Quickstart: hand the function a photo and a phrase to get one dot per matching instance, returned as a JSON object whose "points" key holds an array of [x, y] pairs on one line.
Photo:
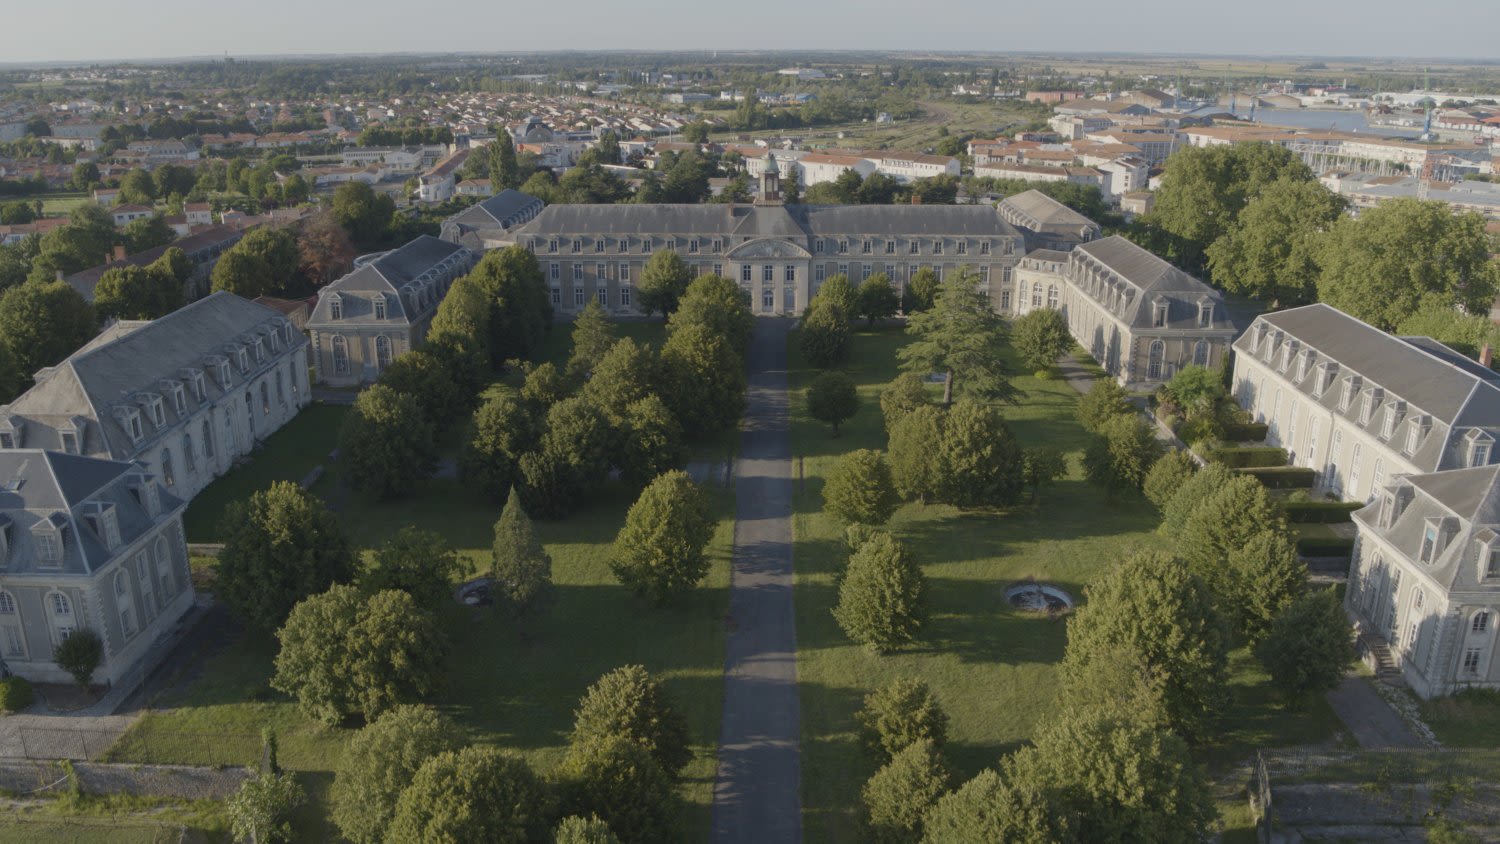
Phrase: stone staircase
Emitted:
{"points": [[1378, 657]]}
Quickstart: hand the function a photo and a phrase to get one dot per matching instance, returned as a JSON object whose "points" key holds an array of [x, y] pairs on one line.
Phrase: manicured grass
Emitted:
{"points": [[515, 691], [14, 831], [289, 454], [991, 667], [53, 204], [1467, 719]]}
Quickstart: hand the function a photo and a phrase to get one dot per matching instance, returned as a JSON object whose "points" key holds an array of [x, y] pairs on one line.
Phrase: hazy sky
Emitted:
{"points": [[106, 29]]}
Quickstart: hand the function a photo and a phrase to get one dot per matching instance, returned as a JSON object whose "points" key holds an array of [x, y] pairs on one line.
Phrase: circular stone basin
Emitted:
{"points": [[476, 593], [1038, 597]]}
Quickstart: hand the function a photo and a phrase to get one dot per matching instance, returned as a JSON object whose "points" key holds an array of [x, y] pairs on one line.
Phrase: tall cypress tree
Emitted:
{"points": [[522, 568]]}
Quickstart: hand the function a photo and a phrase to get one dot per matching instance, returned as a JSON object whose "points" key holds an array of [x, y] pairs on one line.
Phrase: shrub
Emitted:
{"points": [[1242, 432], [619, 781], [1246, 457], [906, 393], [575, 829], [1282, 477], [882, 595], [1325, 546], [900, 793], [832, 398], [824, 337], [630, 702], [1319, 512], [79, 655], [15, 694], [900, 714], [859, 489], [1309, 646], [1167, 475], [1104, 401]]}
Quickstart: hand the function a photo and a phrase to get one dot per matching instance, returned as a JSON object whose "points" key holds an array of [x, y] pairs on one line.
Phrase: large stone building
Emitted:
{"points": [[779, 254], [87, 544], [1360, 406], [184, 395], [382, 309], [1045, 222], [1425, 578], [1140, 317], [483, 225]]}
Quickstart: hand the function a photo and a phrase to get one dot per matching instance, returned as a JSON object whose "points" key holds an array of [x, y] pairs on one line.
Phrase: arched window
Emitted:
{"points": [[1052, 296], [340, 356], [12, 639], [123, 603], [148, 592], [60, 615], [164, 569], [208, 440], [167, 476], [382, 352], [265, 398], [1153, 363], [1200, 353], [187, 451]]}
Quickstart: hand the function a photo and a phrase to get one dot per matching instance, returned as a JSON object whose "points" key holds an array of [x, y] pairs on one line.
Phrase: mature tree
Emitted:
{"points": [[520, 306], [1105, 400], [477, 794], [618, 780], [42, 323], [379, 763], [703, 379], [364, 214], [824, 334], [260, 810], [79, 655], [1467, 333], [1167, 475], [280, 546], [277, 248], [1258, 581], [576, 829], [882, 597], [521, 567], [961, 337], [663, 282], [1114, 780], [652, 441], [460, 336], [343, 653], [324, 249], [543, 387], [632, 703], [1204, 189], [659, 553], [791, 188], [589, 183], [504, 429], [832, 398], [418, 562], [425, 377], [916, 466], [132, 292], [994, 808], [982, 464], [505, 171], [1308, 647], [1193, 492], [623, 374], [1196, 390], [1041, 336], [904, 394], [549, 483], [147, 233], [921, 291], [1270, 251], [1226, 520], [593, 335], [137, 188], [1404, 254], [1152, 605], [241, 273], [900, 714], [859, 489], [901, 793], [1121, 454], [386, 443], [1043, 465], [719, 305], [838, 291]]}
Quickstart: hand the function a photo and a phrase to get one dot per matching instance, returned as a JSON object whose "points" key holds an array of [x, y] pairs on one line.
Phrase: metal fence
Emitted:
{"points": [[137, 746]]}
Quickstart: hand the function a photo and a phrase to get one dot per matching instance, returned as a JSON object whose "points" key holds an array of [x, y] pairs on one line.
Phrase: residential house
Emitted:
{"points": [[438, 183], [123, 215]]}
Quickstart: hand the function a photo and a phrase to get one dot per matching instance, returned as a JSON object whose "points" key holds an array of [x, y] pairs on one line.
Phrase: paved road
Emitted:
{"points": [[1372, 721], [757, 794]]}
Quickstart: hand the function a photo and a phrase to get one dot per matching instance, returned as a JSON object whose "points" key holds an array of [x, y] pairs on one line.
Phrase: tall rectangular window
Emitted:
{"points": [[578, 296], [624, 271]]}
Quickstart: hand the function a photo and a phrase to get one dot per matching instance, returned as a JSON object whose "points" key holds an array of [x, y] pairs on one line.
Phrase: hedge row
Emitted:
{"points": [[1319, 512], [1282, 477], [1325, 546], [1248, 457], [1245, 432]]}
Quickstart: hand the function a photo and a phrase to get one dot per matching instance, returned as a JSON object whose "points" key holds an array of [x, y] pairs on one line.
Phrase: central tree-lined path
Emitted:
{"points": [[757, 794]]}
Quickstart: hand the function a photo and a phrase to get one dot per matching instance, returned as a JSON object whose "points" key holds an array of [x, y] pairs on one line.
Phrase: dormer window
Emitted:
{"points": [[1302, 363], [130, 420], [1351, 386], [693, 246], [552, 245], [937, 247], [1326, 373], [1435, 535], [106, 524], [843, 247], [242, 358], [335, 306], [1401, 497], [1387, 508], [193, 378], [259, 347], [1478, 445], [1159, 314], [47, 535], [1261, 330], [1492, 561], [179, 396], [5, 546], [1206, 318], [1393, 413], [1372, 399], [1288, 352], [12, 432], [1419, 428], [274, 336], [1270, 346], [380, 307], [144, 489]]}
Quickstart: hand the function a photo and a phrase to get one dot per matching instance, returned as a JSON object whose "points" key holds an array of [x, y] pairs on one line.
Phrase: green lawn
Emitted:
{"points": [[53, 204], [990, 666], [1467, 719], [289, 454]]}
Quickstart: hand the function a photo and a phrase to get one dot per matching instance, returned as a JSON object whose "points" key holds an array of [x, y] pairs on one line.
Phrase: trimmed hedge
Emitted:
{"points": [[1246, 432], [15, 694], [1319, 512], [1282, 477], [1249, 457], [1318, 546]]}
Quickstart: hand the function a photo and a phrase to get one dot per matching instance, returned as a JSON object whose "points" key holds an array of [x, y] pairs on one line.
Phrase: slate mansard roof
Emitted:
{"points": [[498, 212], [62, 489], [400, 271], [1423, 382], [131, 360], [1041, 213], [1130, 283], [799, 222], [1464, 504]]}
